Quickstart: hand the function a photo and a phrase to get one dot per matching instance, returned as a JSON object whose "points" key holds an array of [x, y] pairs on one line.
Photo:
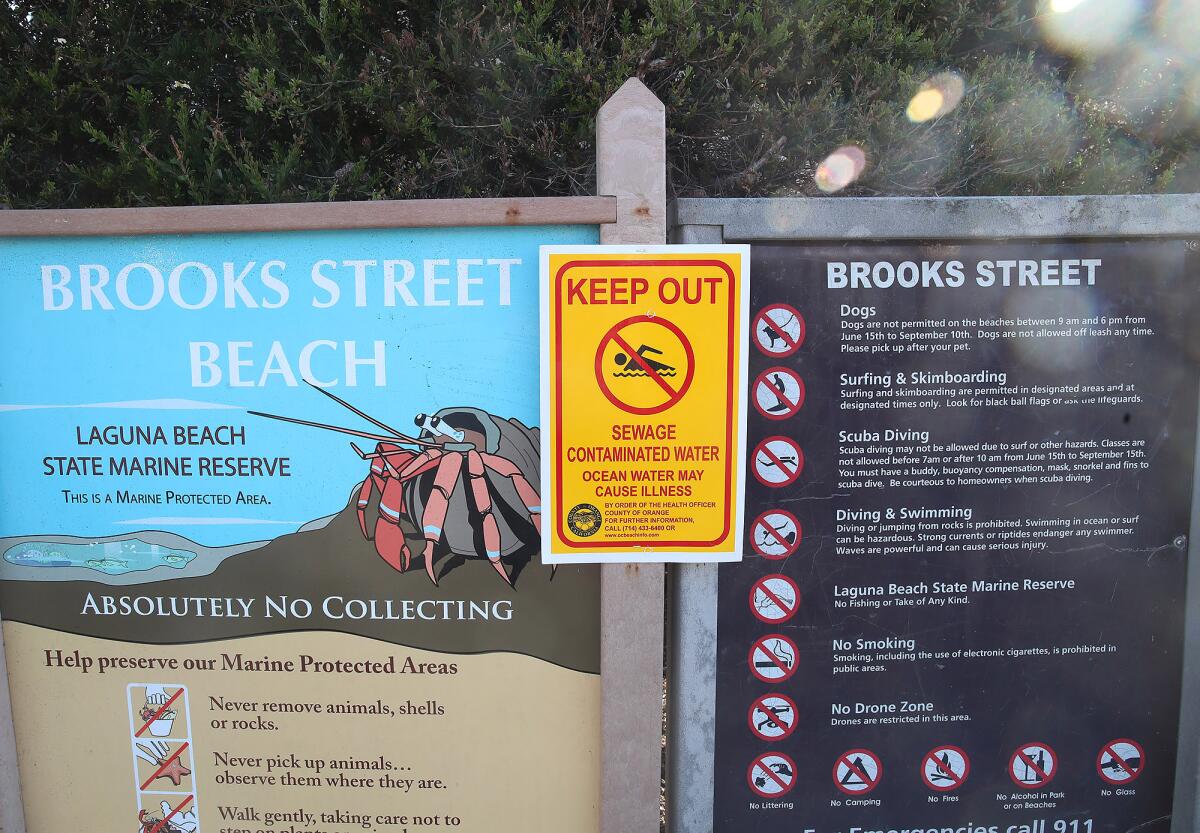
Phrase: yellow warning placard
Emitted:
{"points": [[643, 407]]}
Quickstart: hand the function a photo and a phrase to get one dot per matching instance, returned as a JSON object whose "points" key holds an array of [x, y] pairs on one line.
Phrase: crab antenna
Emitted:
{"points": [[366, 416], [377, 437]]}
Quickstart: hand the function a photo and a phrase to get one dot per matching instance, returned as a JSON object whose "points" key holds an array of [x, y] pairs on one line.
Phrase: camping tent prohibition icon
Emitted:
{"points": [[857, 772], [644, 365]]}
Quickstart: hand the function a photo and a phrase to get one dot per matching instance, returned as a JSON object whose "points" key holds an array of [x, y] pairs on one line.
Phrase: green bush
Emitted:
{"points": [[163, 102]]}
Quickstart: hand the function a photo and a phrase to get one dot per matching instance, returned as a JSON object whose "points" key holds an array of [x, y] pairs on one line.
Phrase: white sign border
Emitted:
{"points": [[548, 429]]}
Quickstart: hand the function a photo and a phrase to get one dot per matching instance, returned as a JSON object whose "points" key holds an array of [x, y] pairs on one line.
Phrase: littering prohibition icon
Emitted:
{"points": [[638, 365], [772, 774], [778, 330], [945, 768], [774, 598], [778, 393], [775, 534], [773, 658], [1033, 765], [778, 462], [857, 772], [772, 717], [1120, 761]]}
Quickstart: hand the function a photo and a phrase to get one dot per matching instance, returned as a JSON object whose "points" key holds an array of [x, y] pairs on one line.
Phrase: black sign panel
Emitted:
{"points": [[968, 501]]}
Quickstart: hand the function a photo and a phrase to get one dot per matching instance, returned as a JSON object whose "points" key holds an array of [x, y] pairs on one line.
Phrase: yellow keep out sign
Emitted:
{"points": [[643, 403]]}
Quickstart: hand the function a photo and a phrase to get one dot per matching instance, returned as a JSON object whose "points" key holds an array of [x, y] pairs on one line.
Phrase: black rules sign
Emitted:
{"points": [[962, 600]]}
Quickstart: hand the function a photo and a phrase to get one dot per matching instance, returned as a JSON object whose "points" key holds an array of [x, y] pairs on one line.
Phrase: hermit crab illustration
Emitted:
{"points": [[496, 513]]}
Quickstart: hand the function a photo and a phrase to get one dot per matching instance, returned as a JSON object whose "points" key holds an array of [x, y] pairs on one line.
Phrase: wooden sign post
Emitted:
{"points": [[631, 160]]}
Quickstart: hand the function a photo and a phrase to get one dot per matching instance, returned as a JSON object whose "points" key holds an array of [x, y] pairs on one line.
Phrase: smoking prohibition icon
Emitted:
{"points": [[773, 658], [644, 365]]}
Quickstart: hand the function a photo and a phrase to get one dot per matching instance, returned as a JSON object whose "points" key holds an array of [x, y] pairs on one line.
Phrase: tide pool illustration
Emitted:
{"points": [[113, 558]]}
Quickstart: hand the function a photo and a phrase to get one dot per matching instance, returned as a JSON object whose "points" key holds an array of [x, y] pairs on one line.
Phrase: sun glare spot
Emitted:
{"points": [[840, 168], [937, 97]]}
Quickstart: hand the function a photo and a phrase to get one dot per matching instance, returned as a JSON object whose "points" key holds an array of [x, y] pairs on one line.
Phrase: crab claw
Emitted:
{"points": [[495, 562], [429, 563]]}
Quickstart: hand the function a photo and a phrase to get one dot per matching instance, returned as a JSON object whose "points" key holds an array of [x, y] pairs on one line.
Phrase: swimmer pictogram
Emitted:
{"points": [[651, 377]]}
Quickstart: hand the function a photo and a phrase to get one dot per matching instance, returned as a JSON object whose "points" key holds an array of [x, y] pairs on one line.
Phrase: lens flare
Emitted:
{"points": [[937, 97], [1090, 27], [840, 168]]}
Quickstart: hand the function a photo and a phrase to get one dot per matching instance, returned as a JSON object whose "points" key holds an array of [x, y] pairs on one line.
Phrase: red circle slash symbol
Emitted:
{"points": [[774, 598], [772, 774], [778, 330], [773, 658], [1033, 765], [778, 393], [857, 771], [945, 768], [641, 362], [775, 534], [778, 462], [1120, 761], [772, 717]]}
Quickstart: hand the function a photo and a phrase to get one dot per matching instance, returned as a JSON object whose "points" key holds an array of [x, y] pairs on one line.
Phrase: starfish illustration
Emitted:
{"points": [[175, 770]]}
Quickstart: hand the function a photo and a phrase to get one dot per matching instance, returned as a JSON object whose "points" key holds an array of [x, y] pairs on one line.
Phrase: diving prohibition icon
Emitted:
{"points": [[644, 365], [778, 462], [775, 534]]}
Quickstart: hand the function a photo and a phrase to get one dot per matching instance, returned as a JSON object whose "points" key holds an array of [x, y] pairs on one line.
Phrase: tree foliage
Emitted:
{"points": [[164, 102]]}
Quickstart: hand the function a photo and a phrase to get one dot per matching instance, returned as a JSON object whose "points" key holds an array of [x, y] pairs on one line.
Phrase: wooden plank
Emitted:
{"points": [[208, 219], [631, 164], [12, 813]]}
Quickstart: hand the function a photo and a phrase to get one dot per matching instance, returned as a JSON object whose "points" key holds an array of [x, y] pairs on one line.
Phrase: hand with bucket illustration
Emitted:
{"points": [[161, 720]]}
